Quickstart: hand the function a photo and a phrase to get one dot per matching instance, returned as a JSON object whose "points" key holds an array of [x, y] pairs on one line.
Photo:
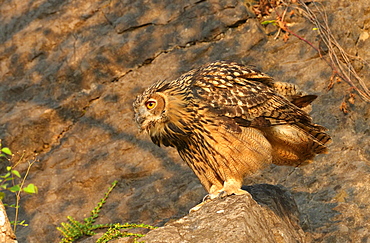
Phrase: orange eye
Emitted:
{"points": [[151, 104]]}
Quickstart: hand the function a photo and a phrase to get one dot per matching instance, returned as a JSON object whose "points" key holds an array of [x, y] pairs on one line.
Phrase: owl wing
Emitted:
{"points": [[240, 96], [244, 94]]}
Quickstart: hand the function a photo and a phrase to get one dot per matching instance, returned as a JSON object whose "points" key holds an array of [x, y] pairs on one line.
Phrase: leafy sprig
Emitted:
{"points": [[73, 229], [8, 183]]}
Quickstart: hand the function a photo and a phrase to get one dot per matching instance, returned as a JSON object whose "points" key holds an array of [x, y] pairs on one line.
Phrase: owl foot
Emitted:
{"points": [[238, 192], [210, 197], [206, 198], [197, 207], [226, 193]]}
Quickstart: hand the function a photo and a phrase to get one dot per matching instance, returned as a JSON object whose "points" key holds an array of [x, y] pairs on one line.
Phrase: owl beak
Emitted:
{"points": [[139, 120]]}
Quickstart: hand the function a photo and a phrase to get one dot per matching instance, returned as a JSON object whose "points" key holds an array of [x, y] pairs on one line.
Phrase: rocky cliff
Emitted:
{"points": [[70, 71]]}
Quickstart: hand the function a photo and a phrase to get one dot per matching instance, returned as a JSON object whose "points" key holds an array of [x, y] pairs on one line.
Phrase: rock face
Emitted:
{"points": [[238, 219], [6, 232], [70, 71]]}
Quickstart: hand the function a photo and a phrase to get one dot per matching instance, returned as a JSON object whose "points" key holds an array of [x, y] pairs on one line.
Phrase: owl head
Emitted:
{"points": [[163, 111], [150, 110]]}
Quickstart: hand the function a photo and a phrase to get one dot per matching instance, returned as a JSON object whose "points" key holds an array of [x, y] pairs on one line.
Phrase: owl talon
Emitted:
{"points": [[212, 196], [207, 198], [223, 194], [198, 206]]}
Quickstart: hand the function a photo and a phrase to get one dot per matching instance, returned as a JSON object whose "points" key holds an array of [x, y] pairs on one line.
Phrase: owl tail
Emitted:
{"points": [[298, 144], [318, 136]]}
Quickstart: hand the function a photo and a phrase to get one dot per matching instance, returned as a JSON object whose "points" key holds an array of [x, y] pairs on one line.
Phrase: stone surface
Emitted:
{"points": [[70, 71], [238, 219], [6, 232]]}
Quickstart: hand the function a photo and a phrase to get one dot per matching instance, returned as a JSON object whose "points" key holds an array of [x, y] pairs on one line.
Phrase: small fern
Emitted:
{"points": [[114, 232], [73, 230]]}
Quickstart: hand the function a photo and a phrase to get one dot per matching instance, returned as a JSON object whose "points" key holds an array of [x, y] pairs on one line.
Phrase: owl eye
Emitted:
{"points": [[151, 104]]}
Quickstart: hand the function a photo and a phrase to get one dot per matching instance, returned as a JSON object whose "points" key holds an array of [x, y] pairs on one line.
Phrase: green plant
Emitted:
{"points": [[266, 22], [8, 183], [74, 229]]}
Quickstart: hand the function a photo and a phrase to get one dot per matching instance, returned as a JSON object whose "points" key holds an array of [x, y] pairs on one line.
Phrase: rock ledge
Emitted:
{"points": [[268, 214]]}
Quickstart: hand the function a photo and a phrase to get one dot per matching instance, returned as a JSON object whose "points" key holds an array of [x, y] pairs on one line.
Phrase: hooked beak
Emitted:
{"points": [[140, 119], [139, 122]]}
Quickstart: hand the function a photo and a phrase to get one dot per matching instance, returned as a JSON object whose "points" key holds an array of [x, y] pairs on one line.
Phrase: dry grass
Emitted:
{"points": [[339, 60]]}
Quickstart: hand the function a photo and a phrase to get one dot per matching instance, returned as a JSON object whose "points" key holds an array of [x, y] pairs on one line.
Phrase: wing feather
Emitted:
{"points": [[251, 98], [241, 92]]}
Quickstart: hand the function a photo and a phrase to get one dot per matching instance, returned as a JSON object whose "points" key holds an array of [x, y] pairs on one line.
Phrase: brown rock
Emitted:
{"points": [[238, 219], [71, 69], [6, 232]]}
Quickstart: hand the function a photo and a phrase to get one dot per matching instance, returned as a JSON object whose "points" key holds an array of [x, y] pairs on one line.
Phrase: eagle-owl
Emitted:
{"points": [[228, 120]]}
